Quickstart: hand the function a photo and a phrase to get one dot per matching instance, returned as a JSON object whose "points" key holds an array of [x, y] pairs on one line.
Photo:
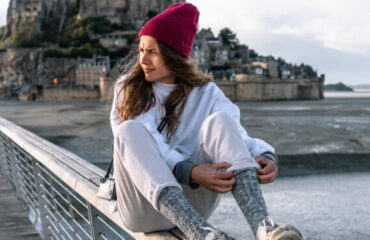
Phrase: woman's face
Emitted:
{"points": [[152, 63]]}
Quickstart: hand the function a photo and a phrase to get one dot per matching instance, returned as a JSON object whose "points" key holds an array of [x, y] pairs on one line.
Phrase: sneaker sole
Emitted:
{"points": [[286, 232]]}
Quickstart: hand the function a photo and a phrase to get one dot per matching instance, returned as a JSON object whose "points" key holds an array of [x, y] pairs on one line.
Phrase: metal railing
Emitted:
{"points": [[58, 189]]}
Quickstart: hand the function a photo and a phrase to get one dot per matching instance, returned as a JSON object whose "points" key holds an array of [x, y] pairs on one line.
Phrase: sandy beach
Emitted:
{"points": [[323, 146], [309, 136]]}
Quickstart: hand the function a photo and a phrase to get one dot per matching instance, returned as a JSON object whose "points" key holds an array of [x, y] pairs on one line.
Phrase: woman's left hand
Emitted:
{"points": [[268, 172]]}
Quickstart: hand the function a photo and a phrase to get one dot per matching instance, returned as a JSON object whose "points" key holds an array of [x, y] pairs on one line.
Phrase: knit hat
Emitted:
{"points": [[176, 27]]}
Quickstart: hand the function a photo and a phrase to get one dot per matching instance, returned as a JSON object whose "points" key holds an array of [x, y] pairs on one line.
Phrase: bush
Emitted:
{"points": [[8, 43], [85, 51], [50, 27], [26, 36], [54, 53], [100, 28], [83, 22], [2, 30]]}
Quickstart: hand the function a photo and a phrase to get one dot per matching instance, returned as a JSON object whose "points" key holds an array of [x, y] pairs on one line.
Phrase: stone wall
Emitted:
{"points": [[255, 88], [106, 89], [68, 94], [228, 88], [252, 90]]}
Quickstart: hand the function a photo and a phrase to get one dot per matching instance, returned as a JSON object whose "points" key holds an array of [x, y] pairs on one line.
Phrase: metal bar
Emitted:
{"points": [[94, 228], [52, 226], [42, 218], [110, 227], [47, 208], [72, 216], [61, 218], [64, 188]]}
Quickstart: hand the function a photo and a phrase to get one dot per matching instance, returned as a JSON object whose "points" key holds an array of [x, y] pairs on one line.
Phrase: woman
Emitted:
{"points": [[178, 142]]}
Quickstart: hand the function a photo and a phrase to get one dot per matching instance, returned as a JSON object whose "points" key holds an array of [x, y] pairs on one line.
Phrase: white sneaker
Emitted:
{"points": [[269, 230], [214, 234]]}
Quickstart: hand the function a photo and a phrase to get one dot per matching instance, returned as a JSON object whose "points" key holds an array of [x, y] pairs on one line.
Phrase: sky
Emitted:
{"points": [[333, 36]]}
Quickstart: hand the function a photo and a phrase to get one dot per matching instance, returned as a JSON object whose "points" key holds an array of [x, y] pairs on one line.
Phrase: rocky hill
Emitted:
{"points": [[44, 38], [337, 87], [47, 15]]}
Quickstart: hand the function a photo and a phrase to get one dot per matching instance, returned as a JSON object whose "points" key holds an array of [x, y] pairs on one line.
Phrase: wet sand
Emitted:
{"points": [[324, 207], [312, 138], [309, 136]]}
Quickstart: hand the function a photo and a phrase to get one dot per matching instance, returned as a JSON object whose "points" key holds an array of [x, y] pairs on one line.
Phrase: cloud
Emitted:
{"points": [[332, 35], [3, 12]]}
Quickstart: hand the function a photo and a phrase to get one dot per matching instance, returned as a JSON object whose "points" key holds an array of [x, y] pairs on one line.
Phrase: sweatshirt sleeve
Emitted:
{"points": [[171, 156], [222, 104]]}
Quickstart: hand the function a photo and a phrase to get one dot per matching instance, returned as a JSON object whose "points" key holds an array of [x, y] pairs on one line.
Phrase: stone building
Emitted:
{"points": [[209, 52], [117, 39], [89, 71]]}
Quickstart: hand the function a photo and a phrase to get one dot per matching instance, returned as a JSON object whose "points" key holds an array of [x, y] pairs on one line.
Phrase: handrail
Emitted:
{"points": [[59, 189]]}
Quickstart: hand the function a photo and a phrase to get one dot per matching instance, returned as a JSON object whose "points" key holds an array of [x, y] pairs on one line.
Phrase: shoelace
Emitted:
{"points": [[214, 234], [269, 224]]}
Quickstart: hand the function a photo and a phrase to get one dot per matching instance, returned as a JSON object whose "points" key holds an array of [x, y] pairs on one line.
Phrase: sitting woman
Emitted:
{"points": [[178, 141]]}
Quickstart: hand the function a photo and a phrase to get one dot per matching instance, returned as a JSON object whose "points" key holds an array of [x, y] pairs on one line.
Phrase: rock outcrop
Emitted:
{"points": [[128, 12], [31, 66]]}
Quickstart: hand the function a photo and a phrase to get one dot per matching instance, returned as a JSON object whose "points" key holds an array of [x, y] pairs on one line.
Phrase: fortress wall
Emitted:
{"points": [[255, 88], [67, 94]]}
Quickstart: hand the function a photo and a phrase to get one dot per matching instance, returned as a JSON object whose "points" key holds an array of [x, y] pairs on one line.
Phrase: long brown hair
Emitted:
{"points": [[138, 96]]}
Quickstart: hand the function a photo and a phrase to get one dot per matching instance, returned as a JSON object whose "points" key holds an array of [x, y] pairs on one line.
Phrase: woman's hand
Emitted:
{"points": [[268, 172], [207, 176]]}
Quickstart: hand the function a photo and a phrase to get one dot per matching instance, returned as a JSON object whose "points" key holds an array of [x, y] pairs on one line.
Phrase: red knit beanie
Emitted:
{"points": [[176, 27]]}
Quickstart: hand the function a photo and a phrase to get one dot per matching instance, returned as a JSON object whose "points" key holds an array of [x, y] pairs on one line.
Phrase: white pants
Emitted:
{"points": [[141, 173]]}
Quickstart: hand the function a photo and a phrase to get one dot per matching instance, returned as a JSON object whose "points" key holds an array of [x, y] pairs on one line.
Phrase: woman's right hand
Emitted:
{"points": [[207, 176]]}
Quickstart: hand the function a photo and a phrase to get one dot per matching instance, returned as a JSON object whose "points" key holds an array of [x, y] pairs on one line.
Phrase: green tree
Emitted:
{"points": [[26, 36], [150, 14], [2, 31], [85, 51], [252, 54], [229, 38], [54, 53]]}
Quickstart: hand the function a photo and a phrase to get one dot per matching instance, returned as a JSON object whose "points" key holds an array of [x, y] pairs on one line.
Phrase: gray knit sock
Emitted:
{"points": [[248, 195], [175, 207]]}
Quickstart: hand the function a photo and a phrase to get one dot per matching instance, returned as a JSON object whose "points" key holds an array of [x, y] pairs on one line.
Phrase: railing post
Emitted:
{"points": [[42, 211], [7, 171], [2, 154], [14, 170], [95, 228]]}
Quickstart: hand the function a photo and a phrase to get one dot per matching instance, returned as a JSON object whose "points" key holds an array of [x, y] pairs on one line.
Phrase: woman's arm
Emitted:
{"points": [[171, 156]]}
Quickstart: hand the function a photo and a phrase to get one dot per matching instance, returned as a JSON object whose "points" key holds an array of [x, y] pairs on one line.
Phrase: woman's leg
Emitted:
{"points": [[145, 183], [219, 141], [140, 175]]}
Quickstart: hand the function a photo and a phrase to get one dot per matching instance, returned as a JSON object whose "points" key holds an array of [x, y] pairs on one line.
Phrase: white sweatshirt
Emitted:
{"points": [[202, 102]]}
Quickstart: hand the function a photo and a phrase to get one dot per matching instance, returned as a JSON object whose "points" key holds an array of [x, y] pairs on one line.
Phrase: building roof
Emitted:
{"points": [[25, 87]]}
